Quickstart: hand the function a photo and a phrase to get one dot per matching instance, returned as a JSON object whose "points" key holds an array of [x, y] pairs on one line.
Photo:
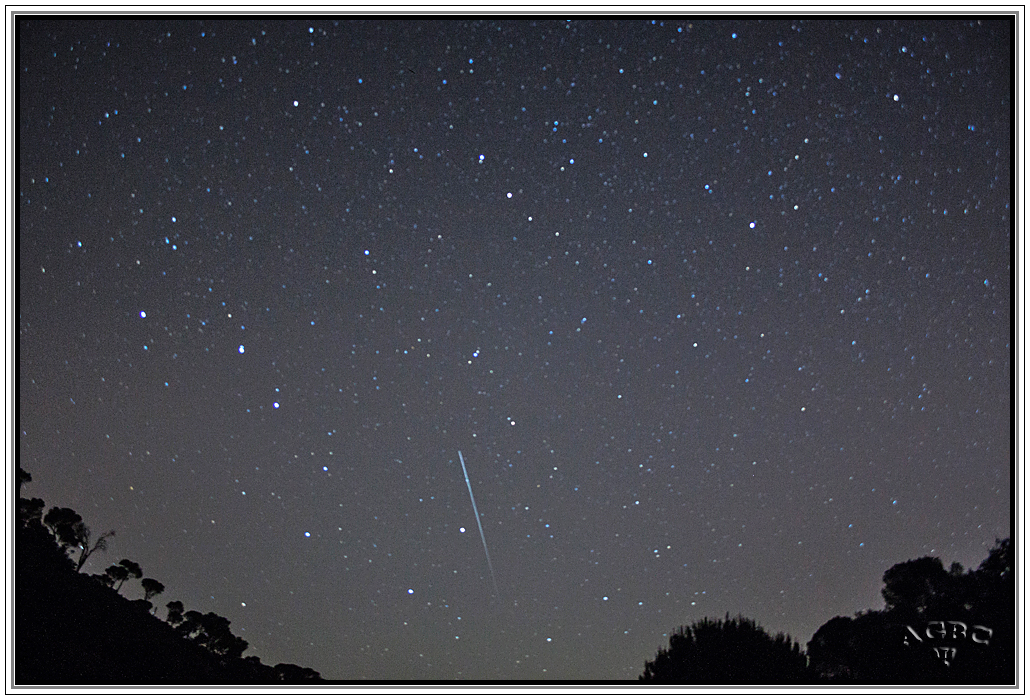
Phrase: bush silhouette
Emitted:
{"points": [[736, 651]]}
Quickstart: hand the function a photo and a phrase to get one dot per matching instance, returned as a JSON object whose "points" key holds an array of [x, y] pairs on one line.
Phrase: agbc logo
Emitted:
{"points": [[951, 631]]}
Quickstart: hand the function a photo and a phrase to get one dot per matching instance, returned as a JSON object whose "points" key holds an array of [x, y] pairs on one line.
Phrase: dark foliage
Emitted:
{"points": [[123, 571], [211, 631], [66, 526], [175, 611], [151, 588], [736, 651], [116, 574], [30, 509]]}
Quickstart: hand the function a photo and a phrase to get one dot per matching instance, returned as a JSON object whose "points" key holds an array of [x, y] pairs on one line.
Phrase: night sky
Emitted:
{"points": [[718, 312]]}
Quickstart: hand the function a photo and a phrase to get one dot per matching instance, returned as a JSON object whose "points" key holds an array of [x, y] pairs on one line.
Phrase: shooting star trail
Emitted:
{"points": [[481, 535]]}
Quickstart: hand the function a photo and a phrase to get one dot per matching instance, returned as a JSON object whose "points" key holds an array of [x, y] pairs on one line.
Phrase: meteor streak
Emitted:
{"points": [[476, 511]]}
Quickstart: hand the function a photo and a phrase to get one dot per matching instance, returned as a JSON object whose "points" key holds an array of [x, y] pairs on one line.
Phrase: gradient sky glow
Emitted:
{"points": [[718, 312]]}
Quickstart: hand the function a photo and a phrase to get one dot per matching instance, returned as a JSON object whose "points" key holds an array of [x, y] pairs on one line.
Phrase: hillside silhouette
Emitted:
{"points": [[938, 627], [75, 628]]}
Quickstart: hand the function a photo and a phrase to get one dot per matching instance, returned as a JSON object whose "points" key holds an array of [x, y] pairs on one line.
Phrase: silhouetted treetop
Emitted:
{"points": [[134, 569], [64, 523], [734, 651], [915, 585], [151, 588], [175, 610], [116, 574]]}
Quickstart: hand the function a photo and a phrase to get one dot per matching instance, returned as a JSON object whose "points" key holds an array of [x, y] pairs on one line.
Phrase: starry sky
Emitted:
{"points": [[717, 311]]}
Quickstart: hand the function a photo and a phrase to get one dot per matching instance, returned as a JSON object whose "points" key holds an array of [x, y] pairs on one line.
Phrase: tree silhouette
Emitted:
{"points": [[63, 522], [994, 606], [212, 632], [71, 533], [192, 626], [151, 588], [23, 477], [914, 586], [832, 649], [866, 649], [85, 549], [105, 579], [735, 651], [175, 609], [30, 510], [227, 644], [995, 572], [116, 574], [131, 570]]}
